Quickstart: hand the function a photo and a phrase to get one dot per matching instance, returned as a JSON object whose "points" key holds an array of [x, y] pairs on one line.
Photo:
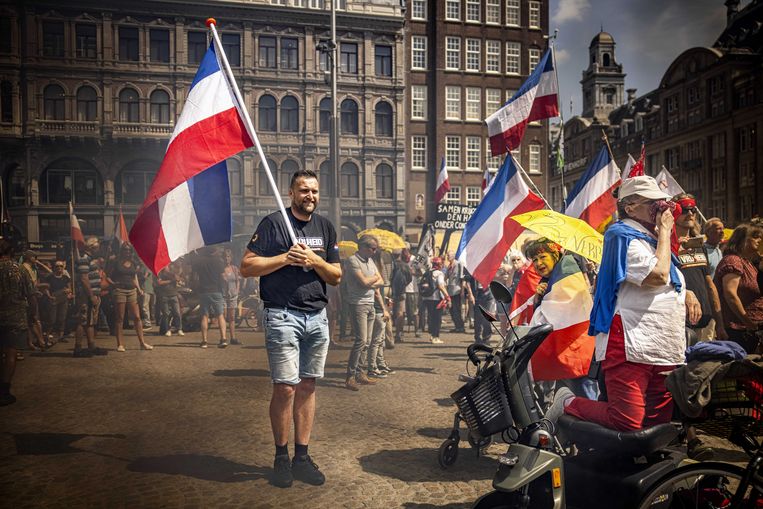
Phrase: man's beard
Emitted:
{"points": [[301, 207]]}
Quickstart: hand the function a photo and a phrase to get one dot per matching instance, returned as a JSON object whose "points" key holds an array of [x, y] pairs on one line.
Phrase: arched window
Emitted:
{"points": [[324, 115], [605, 60], [383, 115], [349, 117], [234, 176], [160, 107], [384, 182], [324, 179], [87, 104], [53, 107], [68, 180], [350, 181], [132, 183], [289, 114], [15, 185], [129, 109], [6, 102], [266, 113], [263, 185], [288, 168]]}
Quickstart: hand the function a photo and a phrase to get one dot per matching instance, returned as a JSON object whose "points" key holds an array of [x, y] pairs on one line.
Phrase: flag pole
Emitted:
{"points": [[560, 144], [211, 23], [74, 269], [527, 177]]}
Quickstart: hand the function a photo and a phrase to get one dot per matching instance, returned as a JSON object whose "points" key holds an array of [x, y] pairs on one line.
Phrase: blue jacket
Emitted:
{"points": [[614, 260]]}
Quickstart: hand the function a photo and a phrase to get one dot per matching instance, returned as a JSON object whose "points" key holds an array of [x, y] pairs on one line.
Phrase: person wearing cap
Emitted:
{"points": [[87, 299], [434, 300], [639, 311], [59, 285]]}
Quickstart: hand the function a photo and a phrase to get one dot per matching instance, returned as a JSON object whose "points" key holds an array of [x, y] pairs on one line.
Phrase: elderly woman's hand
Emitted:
{"points": [[693, 308]]}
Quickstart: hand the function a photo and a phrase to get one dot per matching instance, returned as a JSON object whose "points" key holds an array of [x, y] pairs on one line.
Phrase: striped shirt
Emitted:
{"points": [[87, 265]]}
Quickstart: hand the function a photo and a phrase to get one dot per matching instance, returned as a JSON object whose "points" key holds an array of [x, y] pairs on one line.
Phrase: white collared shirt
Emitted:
{"points": [[653, 317]]}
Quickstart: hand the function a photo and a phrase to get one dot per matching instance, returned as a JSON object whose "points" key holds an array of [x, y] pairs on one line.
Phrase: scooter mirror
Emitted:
{"points": [[500, 292], [487, 315]]}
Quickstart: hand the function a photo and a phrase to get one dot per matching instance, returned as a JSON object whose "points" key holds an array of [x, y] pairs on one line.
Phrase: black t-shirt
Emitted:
{"points": [[290, 286], [209, 269], [695, 268], [167, 290], [58, 283]]}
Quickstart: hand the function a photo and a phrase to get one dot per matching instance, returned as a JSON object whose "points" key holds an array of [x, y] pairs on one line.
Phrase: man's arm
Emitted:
{"points": [[254, 265], [715, 301], [660, 275]]}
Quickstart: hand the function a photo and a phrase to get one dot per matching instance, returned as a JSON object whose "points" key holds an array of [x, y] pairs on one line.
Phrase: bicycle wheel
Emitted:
{"points": [[705, 485]]}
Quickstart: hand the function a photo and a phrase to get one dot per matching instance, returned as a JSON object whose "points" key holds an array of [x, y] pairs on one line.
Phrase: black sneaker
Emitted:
{"points": [[82, 352], [698, 451], [387, 370], [377, 373], [304, 469], [235, 342], [282, 476], [98, 351]]}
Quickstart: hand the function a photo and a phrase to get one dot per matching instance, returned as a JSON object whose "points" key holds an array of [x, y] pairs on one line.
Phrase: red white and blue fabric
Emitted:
{"points": [[188, 203], [591, 200], [490, 231], [535, 100], [443, 185]]}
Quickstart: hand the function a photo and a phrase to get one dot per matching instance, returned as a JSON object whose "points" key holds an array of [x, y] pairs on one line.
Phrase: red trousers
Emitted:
{"points": [[636, 393]]}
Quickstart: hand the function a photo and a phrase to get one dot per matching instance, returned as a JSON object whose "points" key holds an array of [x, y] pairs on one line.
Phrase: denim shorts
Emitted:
{"points": [[297, 344], [212, 304]]}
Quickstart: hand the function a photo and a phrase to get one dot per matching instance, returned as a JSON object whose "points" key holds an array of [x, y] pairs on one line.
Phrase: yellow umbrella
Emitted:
{"points": [[727, 233], [387, 240], [347, 248], [570, 233]]}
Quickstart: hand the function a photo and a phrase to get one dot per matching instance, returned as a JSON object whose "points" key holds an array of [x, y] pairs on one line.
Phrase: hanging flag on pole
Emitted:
{"points": [[188, 203], [443, 185], [490, 231], [536, 99], [667, 183], [629, 165], [120, 230], [487, 181], [638, 168], [76, 232], [591, 200]]}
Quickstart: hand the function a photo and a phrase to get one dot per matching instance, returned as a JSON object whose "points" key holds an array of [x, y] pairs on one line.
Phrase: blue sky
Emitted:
{"points": [[649, 35]]}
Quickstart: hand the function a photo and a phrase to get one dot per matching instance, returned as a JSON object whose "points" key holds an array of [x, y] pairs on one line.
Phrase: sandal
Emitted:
{"points": [[146, 346]]}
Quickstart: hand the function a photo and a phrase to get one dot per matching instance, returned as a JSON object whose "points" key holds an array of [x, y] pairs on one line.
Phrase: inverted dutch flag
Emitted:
{"points": [[443, 184], [188, 203], [591, 200], [490, 232], [535, 100]]}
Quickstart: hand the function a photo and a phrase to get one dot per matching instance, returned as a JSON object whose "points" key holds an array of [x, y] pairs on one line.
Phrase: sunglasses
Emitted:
{"points": [[690, 210]]}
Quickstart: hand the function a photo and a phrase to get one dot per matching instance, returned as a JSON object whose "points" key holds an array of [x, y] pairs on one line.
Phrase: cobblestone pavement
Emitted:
{"points": [[182, 426]]}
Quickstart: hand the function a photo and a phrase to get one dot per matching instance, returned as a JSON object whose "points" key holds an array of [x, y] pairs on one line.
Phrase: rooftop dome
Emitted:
{"points": [[602, 38]]}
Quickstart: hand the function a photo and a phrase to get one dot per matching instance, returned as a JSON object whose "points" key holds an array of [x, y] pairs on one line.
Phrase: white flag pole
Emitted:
{"points": [[211, 23]]}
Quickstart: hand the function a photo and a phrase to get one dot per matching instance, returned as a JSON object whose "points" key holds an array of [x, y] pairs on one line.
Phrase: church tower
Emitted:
{"points": [[604, 81]]}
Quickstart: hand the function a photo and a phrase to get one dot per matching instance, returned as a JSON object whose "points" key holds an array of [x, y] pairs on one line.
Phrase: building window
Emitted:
{"points": [[322, 57], [324, 179], [234, 176], [716, 85], [672, 156], [129, 107], [289, 53], [384, 181], [349, 117], [473, 11], [87, 104], [266, 113], [473, 103], [512, 13], [5, 35], [128, 44], [267, 50], [71, 180], [473, 153], [473, 195], [197, 47], [6, 102], [263, 184], [453, 152], [86, 41], [453, 10], [419, 152], [53, 39], [160, 107], [671, 103], [350, 180], [493, 162], [419, 9], [383, 60], [419, 102], [454, 195], [349, 58], [492, 100], [453, 53], [453, 103], [534, 166], [383, 119], [133, 182], [473, 55], [534, 10], [513, 50], [718, 146], [53, 103], [160, 45], [289, 114], [288, 168], [493, 12], [419, 52], [324, 115], [16, 187], [533, 55], [492, 56], [232, 48], [746, 138]]}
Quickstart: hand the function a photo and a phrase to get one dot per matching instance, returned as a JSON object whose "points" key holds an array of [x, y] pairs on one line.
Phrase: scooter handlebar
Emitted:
{"points": [[472, 350]]}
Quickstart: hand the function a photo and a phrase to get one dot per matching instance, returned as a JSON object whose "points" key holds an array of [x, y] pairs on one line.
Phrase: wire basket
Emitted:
{"points": [[734, 404], [483, 403]]}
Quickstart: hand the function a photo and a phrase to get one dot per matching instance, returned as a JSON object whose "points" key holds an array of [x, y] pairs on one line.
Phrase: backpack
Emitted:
{"points": [[427, 285], [400, 280]]}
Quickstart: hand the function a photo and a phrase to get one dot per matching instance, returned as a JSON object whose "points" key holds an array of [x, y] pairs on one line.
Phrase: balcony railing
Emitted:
{"points": [[68, 126], [141, 129]]}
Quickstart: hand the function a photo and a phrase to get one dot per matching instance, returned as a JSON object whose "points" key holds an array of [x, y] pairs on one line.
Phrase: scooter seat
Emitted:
{"points": [[589, 435]]}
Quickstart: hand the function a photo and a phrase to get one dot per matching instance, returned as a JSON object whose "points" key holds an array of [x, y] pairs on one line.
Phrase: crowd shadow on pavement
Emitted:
{"points": [[51, 354], [445, 402], [420, 465], [413, 505], [412, 369], [429, 346], [184, 344], [40, 444], [447, 356], [242, 372], [199, 466], [439, 433]]}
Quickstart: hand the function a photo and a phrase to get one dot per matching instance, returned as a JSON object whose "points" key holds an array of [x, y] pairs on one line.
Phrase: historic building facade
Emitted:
{"points": [[466, 58], [89, 95]]}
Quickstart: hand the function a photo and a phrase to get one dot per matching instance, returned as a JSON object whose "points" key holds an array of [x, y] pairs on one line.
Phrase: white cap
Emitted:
{"points": [[642, 186]]}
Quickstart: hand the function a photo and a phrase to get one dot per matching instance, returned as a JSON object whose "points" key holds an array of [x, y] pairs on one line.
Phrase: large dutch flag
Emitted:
{"points": [[188, 203], [535, 100], [490, 232], [591, 200]]}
